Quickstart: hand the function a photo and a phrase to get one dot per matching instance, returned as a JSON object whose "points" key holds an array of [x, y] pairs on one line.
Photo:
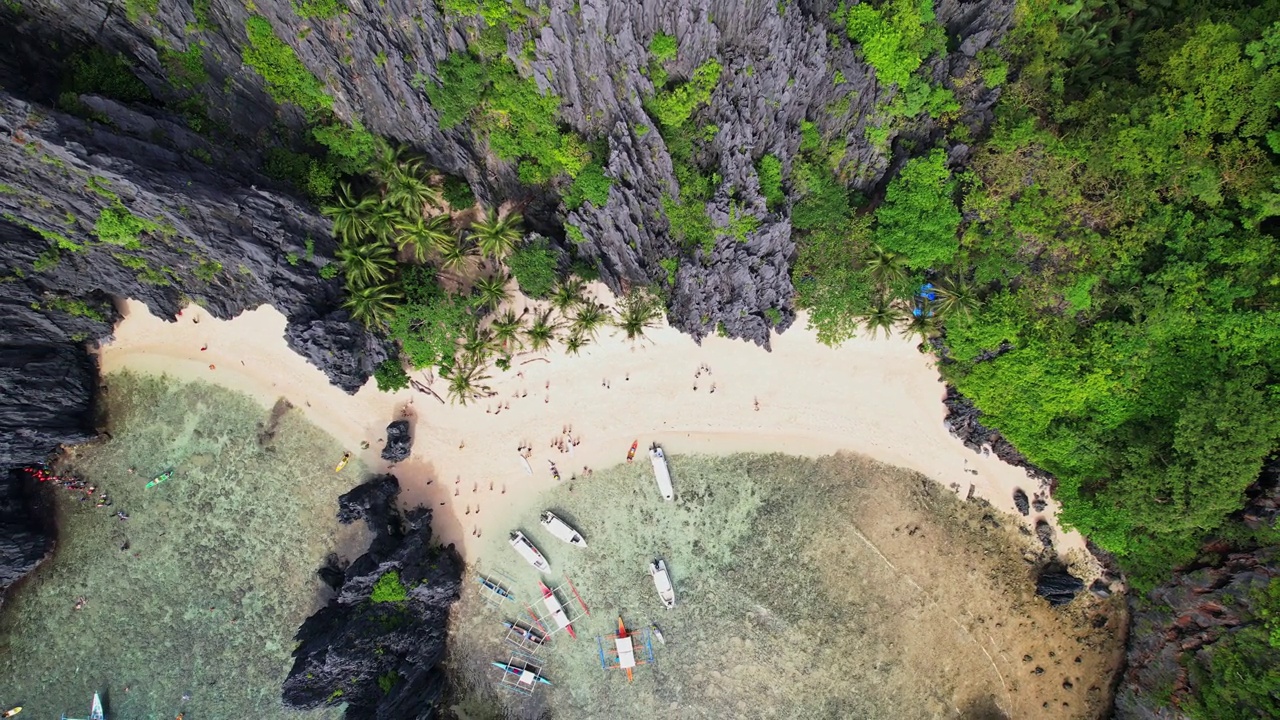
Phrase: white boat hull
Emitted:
{"points": [[661, 472], [526, 549], [662, 583], [562, 530]]}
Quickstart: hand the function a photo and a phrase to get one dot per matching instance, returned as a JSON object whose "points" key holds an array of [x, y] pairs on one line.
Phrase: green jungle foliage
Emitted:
{"points": [[390, 375], [430, 323], [918, 218], [1119, 241], [687, 213], [457, 192], [518, 120], [895, 37], [672, 107], [534, 266], [388, 588]]}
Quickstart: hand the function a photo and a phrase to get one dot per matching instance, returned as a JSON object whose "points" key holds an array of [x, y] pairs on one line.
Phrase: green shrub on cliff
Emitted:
{"points": [[117, 226], [388, 588], [99, 72], [520, 122], [319, 9], [287, 79], [673, 107], [895, 37]]}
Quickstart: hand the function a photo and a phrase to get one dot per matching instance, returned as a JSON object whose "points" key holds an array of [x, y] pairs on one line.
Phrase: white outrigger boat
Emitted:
{"points": [[561, 529], [529, 552], [662, 581], [661, 472], [95, 710]]}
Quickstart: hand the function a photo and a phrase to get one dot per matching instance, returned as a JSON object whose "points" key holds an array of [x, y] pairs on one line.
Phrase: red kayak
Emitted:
{"points": [[631, 455]]}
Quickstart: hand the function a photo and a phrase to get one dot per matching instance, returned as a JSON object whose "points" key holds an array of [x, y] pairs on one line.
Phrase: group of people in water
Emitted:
{"points": [[83, 489]]}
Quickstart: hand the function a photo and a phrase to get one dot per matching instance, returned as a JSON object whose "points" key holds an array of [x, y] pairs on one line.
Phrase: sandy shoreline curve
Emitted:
{"points": [[880, 398]]}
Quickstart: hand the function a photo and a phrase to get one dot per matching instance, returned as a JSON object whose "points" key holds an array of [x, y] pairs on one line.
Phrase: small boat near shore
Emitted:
{"points": [[657, 634], [661, 472], [631, 454], [662, 582], [95, 710], [167, 474], [527, 550], [524, 461], [346, 458], [561, 530], [556, 609]]}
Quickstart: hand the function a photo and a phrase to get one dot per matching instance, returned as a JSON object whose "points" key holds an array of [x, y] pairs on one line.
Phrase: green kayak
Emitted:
{"points": [[160, 478]]}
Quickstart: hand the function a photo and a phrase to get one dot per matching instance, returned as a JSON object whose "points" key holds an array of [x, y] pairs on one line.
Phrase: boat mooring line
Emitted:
{"points": [[935, 603]]}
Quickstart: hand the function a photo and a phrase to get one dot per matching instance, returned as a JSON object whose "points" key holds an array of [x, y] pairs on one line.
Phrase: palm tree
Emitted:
{"points": [[477, 344], [574, 343], [455, 256], [637, 311], [567, 294], [924, 324], [409, 191], [882, 315], [496, 237], [542, 331], [384, 221], [386, 162], [884, 266], [372, 304], [366, 263], [956, 295], [506, 329], [589, 319], [423, 234], [466, 381], [350, 215], [492, 291]]}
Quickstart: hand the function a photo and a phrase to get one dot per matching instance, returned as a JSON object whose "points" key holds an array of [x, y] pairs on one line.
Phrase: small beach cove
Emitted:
{"points": [[876, 397]]}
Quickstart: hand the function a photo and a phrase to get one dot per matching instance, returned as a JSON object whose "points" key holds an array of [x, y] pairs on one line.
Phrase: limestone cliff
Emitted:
{"points": [[783, 63]]}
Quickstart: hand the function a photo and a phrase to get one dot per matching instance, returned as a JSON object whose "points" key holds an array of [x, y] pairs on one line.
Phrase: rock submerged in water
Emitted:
{"points": [[399, 442], [380, 658], [1057, 585]]}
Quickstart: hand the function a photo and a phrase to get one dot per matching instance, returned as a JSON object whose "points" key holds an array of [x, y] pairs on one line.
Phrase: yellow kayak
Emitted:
{"points": [[346, 458], [12, 712]]}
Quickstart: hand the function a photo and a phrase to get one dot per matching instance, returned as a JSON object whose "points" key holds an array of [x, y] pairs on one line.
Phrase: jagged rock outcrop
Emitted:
{"points": [[1057, 585], [399, 442], [190, 231], [26, 527], [1180, 624], [380, 657], [964, 421]]}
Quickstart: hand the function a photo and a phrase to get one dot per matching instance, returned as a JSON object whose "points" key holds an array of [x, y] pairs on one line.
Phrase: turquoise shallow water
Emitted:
{"points": [[218, 573], [782, 612]]}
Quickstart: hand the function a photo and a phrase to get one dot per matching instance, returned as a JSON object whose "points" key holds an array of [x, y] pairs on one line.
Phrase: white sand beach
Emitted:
{"points": [[880, 398]]}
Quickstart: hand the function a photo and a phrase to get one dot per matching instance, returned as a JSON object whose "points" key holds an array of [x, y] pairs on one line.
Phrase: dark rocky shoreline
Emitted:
{"points": [[380, 657]]}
